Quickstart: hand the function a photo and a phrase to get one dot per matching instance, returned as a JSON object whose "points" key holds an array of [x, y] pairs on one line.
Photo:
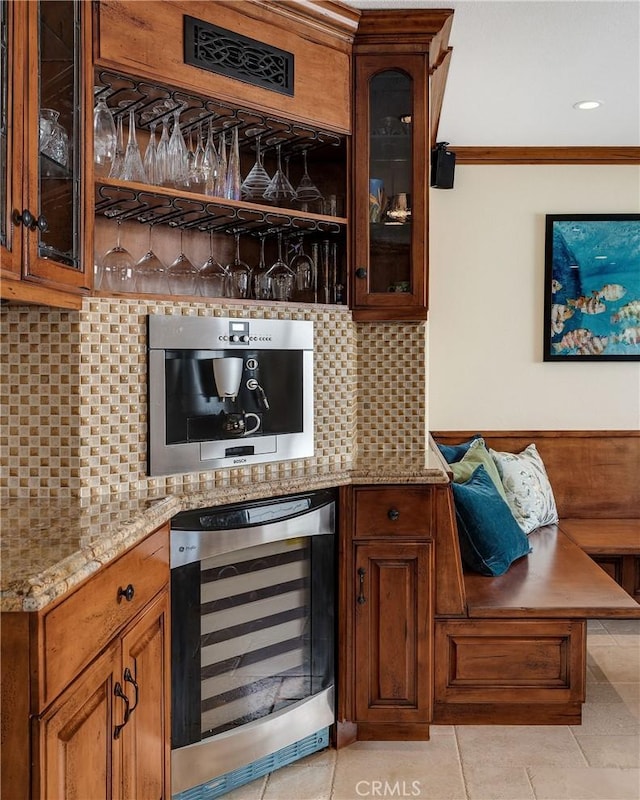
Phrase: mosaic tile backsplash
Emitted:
{"points": [[74, 395]]}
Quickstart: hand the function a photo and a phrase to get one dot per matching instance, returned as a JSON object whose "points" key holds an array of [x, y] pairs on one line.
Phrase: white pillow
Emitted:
{"points": [[527, 487]]}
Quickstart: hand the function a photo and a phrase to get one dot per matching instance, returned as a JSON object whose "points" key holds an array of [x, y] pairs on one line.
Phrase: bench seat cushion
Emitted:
{"points": [[556, 580]]}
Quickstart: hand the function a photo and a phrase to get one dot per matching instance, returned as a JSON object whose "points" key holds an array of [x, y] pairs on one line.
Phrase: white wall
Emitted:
{"points": [[485, 368]]}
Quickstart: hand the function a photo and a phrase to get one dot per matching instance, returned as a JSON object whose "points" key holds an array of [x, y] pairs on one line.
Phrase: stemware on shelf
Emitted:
{"points": [[255, 184], [177, 174], [221, 177], [117, 268], [213, 276], [150, 161], [303, 270], [281, 276], [118, 158], [162, 156], [280, 191], [260, 280], [210, 163], [132, 167], [197, 176], [104, 138], [307, 193], [182, 274], [233, 179], [151, 273], [239, 281]]}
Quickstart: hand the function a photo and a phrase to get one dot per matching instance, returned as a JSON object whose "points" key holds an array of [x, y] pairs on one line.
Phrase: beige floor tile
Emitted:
{"points": [[607, 718], [610, 751], [604, 692], [615, 664], [422, 770], [497, 783], [324, 758], [624, 631], [442, 730], [250, 791], [585, 784], [299, 783], [515, 745]]}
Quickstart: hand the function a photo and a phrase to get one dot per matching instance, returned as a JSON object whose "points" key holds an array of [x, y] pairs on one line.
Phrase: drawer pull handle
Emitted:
{"points": [[361, 598], [393, 514], [126, 593], [117, 690], [29, 221], [130, 679]]}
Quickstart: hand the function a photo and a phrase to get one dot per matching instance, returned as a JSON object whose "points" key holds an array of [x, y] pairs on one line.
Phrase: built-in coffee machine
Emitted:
{"points": [[228, 391]]}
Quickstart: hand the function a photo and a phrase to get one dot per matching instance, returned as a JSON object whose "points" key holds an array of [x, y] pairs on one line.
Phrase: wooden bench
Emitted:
{"points": [[512, 649]]}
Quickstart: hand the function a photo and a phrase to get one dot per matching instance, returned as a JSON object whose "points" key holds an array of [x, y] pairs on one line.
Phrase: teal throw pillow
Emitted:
{"points": [[454, 452], [476, 455], [490, 538]]}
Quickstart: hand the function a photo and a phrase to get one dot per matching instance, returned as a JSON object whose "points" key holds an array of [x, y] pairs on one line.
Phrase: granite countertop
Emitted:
{"points": [[49, 545]]}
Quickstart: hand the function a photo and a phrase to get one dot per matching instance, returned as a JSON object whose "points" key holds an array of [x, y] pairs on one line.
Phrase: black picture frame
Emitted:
{"points": [[592, 287]]}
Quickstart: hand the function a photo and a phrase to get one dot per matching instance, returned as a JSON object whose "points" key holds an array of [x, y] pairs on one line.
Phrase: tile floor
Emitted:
{"points": [[598, 760]]}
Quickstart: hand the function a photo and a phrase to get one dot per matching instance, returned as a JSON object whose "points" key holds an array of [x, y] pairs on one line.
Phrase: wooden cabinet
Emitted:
{"points": [[100, 716], [396, 56], [387, 642], [42, 151]]}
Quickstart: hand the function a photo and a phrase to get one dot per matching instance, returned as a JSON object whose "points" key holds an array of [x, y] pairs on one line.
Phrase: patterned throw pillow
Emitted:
{"points": [[527, 487]]}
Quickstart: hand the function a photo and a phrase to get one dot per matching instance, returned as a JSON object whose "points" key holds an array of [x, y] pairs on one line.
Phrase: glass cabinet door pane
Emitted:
{"points": [[4, 114], [59, 103], [390, 181]]}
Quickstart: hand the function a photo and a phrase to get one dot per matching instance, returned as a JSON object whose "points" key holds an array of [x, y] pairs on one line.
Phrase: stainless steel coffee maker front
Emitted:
{"points": [[228, 391]]}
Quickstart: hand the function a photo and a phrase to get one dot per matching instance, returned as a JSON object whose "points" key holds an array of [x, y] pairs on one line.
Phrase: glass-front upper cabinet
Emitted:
{"points": [[391, 146], [399, 57], [42, 141]]}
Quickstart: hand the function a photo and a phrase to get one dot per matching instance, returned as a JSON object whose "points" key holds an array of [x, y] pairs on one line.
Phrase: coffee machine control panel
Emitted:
{"points": [[239, 334]]}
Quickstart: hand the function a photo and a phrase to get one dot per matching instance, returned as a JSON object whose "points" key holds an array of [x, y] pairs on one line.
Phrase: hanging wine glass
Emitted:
{"points": [[118, 158], [279, 190], [132, 167], [260, 280], [150, 162], [104, 138], [162, 156], [177, 155], [182, 274], [233, 179], [303, 270], [255, 184], [307, 192], [281, 276], [197, 173], [221, 177], [239, 274], [213, 276], [117, 268], [151, 273], [210, 163]]}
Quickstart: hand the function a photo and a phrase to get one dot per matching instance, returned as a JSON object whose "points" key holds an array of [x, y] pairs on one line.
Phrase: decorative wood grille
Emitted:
{"points": [[228, 53]]}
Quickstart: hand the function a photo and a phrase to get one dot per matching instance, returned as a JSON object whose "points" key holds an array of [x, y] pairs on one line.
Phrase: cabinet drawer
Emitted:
{"points": [[393, 511], [77, 629]]}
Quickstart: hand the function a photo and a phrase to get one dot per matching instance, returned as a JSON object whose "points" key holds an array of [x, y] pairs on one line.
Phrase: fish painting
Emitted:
{"points": [[559, 315], [555, 286], [630, 311], [573, 340], [611, 292], [588, 305], [629, 335]]}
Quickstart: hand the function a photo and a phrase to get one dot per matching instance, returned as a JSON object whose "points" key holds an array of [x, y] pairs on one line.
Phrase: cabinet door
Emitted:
{"points": [[393, 632], [79, 757], [390, 187], [54, 145], [145, 737]]}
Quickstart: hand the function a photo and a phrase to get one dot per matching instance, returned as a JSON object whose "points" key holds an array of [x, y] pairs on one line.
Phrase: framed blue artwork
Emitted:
{"points": [[592, 287]]}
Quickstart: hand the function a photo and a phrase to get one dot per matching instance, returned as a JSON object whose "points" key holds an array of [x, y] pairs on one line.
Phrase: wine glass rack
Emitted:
{"points": [[152, 104]]}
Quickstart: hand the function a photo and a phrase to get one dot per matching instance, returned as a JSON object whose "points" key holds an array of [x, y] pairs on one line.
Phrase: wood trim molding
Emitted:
{"points": [[546, 155]]}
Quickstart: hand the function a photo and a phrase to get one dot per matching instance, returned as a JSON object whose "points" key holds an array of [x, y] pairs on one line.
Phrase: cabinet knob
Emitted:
{"points": [[126, 593], [29, 221], [393, 514], [361, 272]]}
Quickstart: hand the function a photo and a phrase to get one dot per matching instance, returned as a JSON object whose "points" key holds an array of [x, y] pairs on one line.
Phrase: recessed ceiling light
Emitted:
{"points": [[587, 105]]}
